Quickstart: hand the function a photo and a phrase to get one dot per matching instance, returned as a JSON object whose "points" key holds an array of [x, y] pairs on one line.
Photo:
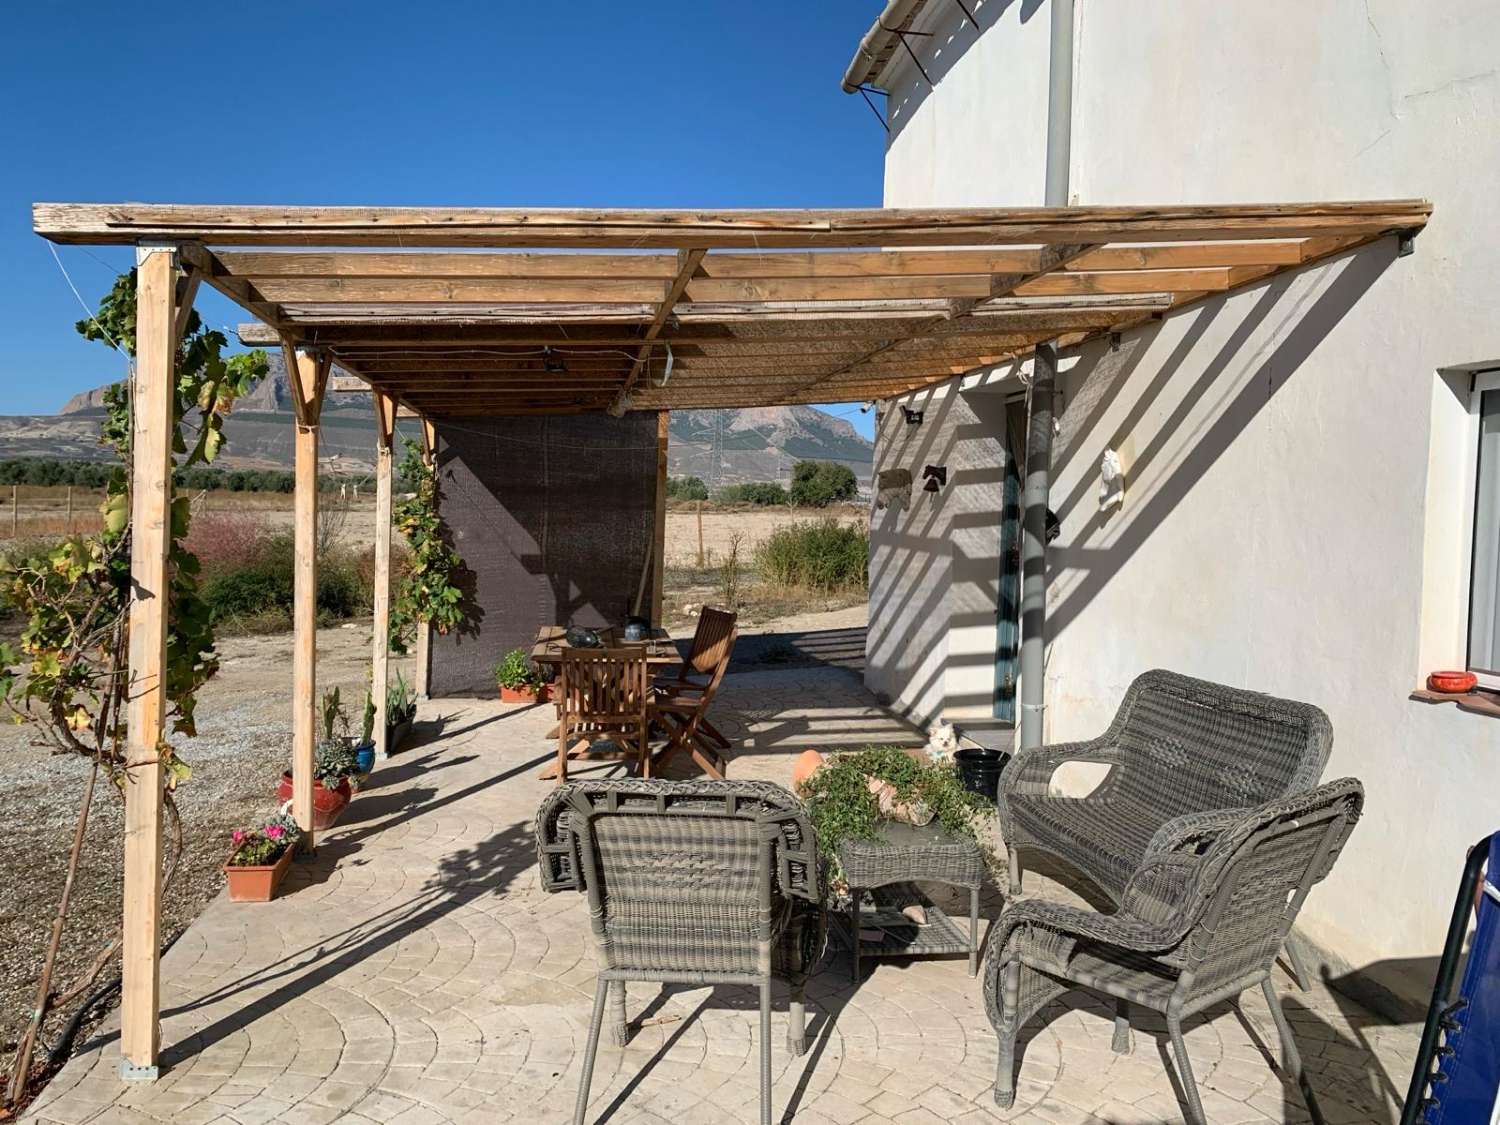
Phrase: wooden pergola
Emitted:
{"points": [[479, 311]]}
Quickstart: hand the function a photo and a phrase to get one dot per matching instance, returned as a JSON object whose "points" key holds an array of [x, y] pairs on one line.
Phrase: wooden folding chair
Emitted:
{"points": [[684, 717], [712, 640], [603, 694]]}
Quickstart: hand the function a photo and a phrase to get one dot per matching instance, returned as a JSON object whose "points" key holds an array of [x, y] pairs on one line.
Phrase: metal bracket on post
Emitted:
{"points": [[144, 250], [1406, 243], [130, 1072]]}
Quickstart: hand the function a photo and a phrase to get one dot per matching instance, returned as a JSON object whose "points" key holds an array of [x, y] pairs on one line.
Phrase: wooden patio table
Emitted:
{"points": [[551, 642]]}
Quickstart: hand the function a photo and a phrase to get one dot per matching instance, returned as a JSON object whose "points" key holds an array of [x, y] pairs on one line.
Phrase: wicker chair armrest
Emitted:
{"points": [[1047, 922], [557, 848], [1029, 771], [1194, 832]]}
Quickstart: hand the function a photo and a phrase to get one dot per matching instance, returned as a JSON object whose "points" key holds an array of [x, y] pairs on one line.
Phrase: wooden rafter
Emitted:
{"points": [[687, 266]]}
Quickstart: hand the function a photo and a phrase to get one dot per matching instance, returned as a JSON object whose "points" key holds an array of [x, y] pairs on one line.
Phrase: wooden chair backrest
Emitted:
{"points": [[713, 637], [716, 677], [603, 684]]}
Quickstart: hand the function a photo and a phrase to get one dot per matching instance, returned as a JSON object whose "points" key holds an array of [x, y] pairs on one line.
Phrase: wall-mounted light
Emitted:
{"points": [[913, 417], [935, 477]]}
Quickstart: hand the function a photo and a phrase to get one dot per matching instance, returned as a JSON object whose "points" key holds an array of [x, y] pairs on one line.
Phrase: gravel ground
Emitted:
{"points": [[242, 745]]}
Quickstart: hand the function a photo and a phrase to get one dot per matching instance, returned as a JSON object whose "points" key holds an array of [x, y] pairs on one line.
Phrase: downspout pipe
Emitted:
{"points": [[1043, 391]]}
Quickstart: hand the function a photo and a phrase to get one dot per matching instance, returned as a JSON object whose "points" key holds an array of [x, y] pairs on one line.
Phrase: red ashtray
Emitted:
{"points": [[1452, 683]]}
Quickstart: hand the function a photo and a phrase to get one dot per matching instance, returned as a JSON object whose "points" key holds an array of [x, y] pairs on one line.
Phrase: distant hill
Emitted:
{"points": [[721, 446]]}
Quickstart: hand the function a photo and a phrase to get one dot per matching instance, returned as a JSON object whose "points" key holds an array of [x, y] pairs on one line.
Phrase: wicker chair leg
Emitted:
{"points": [[765, 1052], [854, 893], [1013, 865], [580, 1108], [796, 1032], [1005, 1069], [973, 931], [1299, 966], [619, 1030], [1185, 1072], [1292, 1058], [1121, 1043]]}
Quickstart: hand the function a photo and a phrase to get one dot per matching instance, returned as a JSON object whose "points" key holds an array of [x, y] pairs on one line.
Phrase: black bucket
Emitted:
{"points": [[979, 770]]}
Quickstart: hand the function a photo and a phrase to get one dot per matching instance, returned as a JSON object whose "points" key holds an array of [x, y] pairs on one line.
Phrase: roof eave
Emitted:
{"points": [[874, 51]]}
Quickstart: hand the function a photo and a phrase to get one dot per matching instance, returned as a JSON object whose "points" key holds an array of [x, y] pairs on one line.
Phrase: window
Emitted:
{"points": [[1484, 582]]}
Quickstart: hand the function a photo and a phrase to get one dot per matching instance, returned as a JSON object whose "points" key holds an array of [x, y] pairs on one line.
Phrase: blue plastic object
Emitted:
{"points": [[1457, 1078]]}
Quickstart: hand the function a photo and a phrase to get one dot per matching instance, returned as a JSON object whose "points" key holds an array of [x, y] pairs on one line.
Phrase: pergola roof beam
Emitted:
{"points": [[406, 227], [447, 307]]}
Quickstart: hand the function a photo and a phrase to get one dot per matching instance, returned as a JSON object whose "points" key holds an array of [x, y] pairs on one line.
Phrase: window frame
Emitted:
{"points": [[1482, 381]]}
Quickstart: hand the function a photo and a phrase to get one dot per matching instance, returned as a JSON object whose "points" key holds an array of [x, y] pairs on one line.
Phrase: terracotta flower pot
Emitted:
{"points": [[1452, 683], [328, 804], [523, 695], [257, 884], [808, 763]]}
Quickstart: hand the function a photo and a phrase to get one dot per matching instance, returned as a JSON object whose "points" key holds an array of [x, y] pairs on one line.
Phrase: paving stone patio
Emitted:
{"points": [[415, 972]]}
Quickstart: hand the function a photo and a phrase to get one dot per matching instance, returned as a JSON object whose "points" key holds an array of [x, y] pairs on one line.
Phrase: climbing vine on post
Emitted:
{"points": [[428, 592], [68, 671]]}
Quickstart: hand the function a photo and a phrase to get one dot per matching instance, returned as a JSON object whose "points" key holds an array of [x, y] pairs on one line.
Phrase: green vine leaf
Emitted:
{"points": [[428, 592]]}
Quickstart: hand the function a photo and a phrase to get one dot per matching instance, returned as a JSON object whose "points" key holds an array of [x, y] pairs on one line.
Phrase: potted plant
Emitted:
{"points": [[334, 765], [400, 712], [853, 796], [259, 857], [364, 749], [519, 680]]}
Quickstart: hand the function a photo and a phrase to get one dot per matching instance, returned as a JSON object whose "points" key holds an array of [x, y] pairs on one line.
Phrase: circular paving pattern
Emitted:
{"points": [[415, 972]]}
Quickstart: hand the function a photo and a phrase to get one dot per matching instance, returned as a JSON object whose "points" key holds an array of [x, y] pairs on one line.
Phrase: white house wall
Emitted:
{"points": [[1280, 529]]}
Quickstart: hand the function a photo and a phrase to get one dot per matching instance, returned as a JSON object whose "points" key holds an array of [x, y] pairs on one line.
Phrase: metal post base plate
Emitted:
{"points": [[130, 1072]]}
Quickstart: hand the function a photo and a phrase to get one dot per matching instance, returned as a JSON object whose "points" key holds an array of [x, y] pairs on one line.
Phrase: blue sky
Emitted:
{"points": [[667, 104]]}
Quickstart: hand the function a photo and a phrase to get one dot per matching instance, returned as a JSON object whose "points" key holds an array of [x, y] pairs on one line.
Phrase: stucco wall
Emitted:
{"points": [[1280, 529]]}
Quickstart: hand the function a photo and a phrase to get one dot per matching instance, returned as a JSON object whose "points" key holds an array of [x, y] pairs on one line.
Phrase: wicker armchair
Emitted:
{"points": [[688, 882], [1183, 751], [1195, 927]]}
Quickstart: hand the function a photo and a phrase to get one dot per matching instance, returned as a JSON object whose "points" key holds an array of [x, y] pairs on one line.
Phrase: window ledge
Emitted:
{"points": [[1480, 702]]}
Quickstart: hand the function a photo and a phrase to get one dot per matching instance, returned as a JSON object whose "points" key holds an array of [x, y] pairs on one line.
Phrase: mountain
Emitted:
{"points": [[721, 446]]}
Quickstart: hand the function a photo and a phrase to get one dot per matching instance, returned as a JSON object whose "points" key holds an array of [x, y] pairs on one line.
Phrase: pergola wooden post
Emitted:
{"points": [[385, 424], [424, 628], [659, 541], [308, 373], [150, 510]]}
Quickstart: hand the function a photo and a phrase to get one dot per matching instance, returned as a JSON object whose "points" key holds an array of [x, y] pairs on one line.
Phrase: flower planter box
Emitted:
{"points": [[328, 804], [257, 884], [523, 695]]}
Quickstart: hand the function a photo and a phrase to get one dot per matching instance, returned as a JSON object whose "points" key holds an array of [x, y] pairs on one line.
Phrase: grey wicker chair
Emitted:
{"points": [[1197, 925], [1181, 750], [689, 882]]}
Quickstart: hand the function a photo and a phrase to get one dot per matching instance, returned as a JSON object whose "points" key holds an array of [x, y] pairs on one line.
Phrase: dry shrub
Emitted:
{"points": [[224, 541]]}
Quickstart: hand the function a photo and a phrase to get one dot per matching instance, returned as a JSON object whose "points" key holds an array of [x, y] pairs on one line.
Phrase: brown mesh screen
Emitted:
{"points": [[554, 517]]}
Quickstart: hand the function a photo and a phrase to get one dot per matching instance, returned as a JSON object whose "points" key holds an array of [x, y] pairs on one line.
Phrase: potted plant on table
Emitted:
{"points": [[519, 680], [259, 857], [853, 796], [400, 712], [334, 767]]}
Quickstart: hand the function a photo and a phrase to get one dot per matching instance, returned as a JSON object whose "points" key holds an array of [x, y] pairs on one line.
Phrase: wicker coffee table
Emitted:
{"points": [[889, 869]]}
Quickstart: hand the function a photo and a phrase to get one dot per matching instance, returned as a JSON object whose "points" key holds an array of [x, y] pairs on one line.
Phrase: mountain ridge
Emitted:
{"points": [[720, 446]]}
